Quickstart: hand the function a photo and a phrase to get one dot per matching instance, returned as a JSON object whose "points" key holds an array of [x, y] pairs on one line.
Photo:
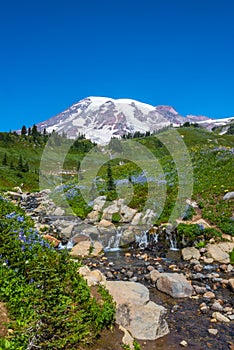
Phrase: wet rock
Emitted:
{"points": [[199, 290], [208, 260], [198, 268], [217, 307], [67, 231], [85, 248], [80, 238], [175, 285], [194, 262], [154, 275], [109, 275], [184, 343], [231, 283], [189, 253], [204, 308], [129, 274], [213, 331], [209, 295], [219, 317]]}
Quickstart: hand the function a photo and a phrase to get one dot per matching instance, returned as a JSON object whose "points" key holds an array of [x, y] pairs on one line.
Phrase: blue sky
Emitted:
{"points": [[56, 52]]}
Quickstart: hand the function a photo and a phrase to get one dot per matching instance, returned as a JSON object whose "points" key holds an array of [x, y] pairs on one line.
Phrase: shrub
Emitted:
{"points": [[49, 303], [116, 218]]}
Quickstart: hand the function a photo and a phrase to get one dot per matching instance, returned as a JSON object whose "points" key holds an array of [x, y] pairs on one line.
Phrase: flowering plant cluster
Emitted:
{"points": [[49, 303]]}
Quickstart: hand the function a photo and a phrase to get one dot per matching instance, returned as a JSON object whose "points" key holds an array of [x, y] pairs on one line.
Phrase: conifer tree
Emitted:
{"points": [[24, 130], [110, 180]]}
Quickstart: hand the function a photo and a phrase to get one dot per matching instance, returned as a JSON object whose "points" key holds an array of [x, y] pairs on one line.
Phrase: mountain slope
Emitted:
{"points": [[101, 118]]}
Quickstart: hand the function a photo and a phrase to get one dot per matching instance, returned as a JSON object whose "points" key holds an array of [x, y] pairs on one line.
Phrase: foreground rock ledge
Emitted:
{"points": [[144, 319]]}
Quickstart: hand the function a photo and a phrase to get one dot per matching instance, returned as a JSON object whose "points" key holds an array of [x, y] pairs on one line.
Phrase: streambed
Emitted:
{"points": [[185, 319]]}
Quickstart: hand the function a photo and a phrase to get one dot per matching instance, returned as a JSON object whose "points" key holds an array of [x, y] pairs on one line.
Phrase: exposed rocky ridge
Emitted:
{"points": [[101, 118]]}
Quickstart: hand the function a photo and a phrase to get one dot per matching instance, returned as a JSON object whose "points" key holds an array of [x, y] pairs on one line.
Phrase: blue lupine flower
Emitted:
{"points": [[11, 215], [20, 218]]}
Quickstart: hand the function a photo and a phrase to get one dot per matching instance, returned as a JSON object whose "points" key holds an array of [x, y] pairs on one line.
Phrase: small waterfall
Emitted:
{"points": [[142, 240], [147, 239], [172, 239], [113, 243], [150, 238]]}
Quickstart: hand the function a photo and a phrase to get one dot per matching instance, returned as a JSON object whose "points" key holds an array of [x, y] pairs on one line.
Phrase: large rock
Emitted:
{"points": [[144, 319], [98, 203], [147, 322], [127, 213], [93, 216], [92, 277], [175, 285], [217, 252], [109, 211], [128, 234], [229, 195], [85, 248], [128, 292], [189, 253]]}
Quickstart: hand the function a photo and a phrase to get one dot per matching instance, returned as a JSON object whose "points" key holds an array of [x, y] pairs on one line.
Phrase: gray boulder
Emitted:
{"points": [[174, 284], [144, 319]]}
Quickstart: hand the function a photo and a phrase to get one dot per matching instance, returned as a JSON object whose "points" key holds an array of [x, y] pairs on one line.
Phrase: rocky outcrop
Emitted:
{"points": [[174, 284], [144, 319]]}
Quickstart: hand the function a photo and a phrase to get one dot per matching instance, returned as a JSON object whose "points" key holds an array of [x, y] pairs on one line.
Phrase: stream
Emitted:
{"points": [[185, 319]]}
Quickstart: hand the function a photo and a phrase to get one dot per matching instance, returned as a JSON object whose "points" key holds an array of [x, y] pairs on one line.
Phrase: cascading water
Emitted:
{"points": [[172, 240], [149, 239], [114, 242]]}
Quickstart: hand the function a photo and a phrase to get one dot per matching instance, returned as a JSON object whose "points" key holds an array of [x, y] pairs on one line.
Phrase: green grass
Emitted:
{"points": [[211, 156]]}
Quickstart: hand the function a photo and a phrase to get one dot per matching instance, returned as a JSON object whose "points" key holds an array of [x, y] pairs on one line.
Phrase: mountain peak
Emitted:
{"points": [[101, 118]]}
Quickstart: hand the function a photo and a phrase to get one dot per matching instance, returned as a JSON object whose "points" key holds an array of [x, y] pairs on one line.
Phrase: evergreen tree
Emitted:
{"points": [[35, 133], [29, 131], [24, 130], [110, 180]]}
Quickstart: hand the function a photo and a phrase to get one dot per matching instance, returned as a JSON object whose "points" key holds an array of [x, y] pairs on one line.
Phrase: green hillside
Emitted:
{"points": [[211, 156]]}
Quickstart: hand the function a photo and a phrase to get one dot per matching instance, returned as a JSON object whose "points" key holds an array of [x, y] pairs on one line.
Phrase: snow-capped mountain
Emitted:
{"points": [[101, 118]]}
